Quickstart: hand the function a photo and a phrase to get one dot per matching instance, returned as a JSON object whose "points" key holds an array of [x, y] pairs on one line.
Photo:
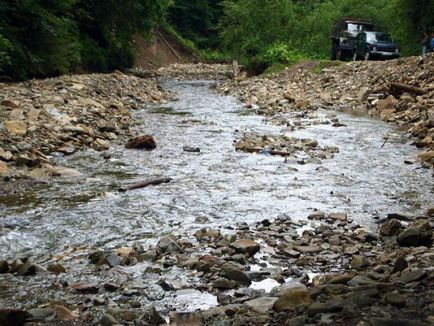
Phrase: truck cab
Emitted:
{"points": [[343, 35]]}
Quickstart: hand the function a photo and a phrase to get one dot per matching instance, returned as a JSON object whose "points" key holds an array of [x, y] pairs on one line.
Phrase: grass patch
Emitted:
{"points": [[276, 68]]}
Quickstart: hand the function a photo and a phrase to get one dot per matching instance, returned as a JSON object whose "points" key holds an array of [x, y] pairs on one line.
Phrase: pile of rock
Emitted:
{"points": [[400, 91], [198, 71], [283, 145], [67, 113]]}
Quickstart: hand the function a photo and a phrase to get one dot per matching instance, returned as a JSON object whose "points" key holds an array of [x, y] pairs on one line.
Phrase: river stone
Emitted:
{"points": [[410, 276], [245, 246], [5, 155], [338, 216], [16, 127], [293, 298], [400, 265], [390, 228], [4, 170], [359, 262], [85, 288], [143, 142], [108, 320], [231, 272], [307, 249], [426, 156], [185, 318], [416, 234], [56, 268], [224, 283], [394, 298], [10, 104], [40, 313], [262, 304], [169, 245], [12, 317], [204, 233], [63, 313]]}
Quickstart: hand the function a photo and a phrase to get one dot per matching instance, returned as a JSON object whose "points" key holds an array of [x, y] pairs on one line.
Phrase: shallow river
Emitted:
{"points": [[217, 185]]}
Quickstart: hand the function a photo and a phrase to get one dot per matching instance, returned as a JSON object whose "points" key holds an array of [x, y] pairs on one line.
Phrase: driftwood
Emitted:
{"points": [[143, 184], [401, 87]]}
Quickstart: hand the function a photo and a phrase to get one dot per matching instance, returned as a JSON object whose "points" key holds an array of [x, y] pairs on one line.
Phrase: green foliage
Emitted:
{"points": [[280, 53], [196, 20], [252, 30], [5, 49]]}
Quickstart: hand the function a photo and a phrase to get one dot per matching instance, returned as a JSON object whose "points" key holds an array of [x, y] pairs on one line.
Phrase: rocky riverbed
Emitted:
{"points": [[372, 87], [297, 216]]}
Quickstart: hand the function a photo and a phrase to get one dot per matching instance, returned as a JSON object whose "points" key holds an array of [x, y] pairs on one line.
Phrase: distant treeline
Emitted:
{"points": [[49, 37]]}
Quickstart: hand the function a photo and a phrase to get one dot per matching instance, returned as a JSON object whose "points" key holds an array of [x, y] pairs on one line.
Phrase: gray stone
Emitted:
{"points": [[262, 304], [416, 234], [245, 246]]}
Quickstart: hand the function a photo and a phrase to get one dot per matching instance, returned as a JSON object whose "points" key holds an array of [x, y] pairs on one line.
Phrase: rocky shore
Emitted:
{"points": [[59, 116], [334, 272], [399, 91]]}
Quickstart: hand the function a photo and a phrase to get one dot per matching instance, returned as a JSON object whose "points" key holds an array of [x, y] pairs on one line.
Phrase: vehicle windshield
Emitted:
{"points": [[355, 27], [379, 37]]}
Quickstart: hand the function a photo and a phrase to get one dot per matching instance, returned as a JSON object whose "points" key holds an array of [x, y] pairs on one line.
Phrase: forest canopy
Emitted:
{"points": [[41, 38]]}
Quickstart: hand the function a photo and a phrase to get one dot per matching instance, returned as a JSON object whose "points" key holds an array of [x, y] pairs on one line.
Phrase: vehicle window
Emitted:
{"points": [[379, 37], [353, 27]]}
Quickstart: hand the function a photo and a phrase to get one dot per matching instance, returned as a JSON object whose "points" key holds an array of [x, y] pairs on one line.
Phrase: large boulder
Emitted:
{"points": [[142, 142], [417, 234], [12, 317]]}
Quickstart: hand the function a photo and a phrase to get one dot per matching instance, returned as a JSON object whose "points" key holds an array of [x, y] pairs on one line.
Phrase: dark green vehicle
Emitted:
{"points": [[343, 34], [375, 45]]}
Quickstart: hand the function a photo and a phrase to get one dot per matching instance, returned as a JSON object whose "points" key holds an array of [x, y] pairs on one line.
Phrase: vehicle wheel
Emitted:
{"points": [[355, 56], [367, 56]]}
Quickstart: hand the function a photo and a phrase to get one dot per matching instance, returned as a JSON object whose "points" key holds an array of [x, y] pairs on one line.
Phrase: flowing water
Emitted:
{"points": [[218, 186]]}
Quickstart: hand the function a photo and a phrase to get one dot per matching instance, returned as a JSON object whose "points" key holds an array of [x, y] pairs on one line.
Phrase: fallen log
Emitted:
{"points": [[407, 88], [150, 182]]}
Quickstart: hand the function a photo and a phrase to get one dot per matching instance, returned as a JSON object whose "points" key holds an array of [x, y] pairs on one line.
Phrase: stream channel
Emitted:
{"points": [[217, 187]]}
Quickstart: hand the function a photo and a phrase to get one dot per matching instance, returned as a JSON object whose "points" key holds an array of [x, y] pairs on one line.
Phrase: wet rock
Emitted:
{"points": [[40, 314], [359, 262], [108, 320], [111, 287], [190, 149], [394, 298], [85, 288], [12, 317], [143, 142], [293, 298], [169, 245], [56, 268], [307, 249], [417, 234], [400, 265], [207, 234], [232, 272], [153, 317], [390, 228], [410, 276], [338, 216], [13, 104], [262, 304], [185, 318], [63, 313], [245, 246], [224, 283]]}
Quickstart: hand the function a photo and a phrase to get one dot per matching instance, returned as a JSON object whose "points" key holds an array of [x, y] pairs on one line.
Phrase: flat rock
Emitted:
{"points": [[416, 234], [307, 249], [247, 246], [410, 276], [262, 304]]}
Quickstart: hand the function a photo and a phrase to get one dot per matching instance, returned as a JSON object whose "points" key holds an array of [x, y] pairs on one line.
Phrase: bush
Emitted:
{"points": [[281, 53]]}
